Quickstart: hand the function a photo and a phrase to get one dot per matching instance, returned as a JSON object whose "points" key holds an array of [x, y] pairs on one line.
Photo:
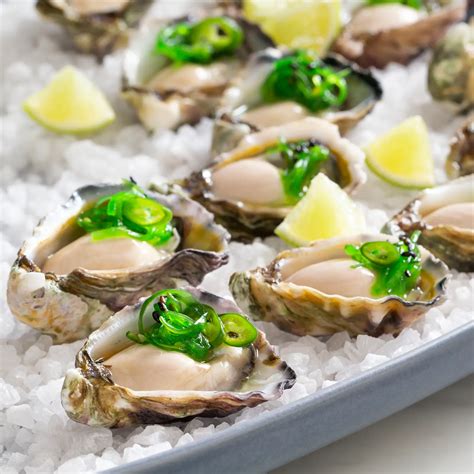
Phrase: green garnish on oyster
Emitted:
{"points": [[416, 4], [397, 266], [302, 161], [307, 80], [200, 42], [183, 324], [128, 213]]}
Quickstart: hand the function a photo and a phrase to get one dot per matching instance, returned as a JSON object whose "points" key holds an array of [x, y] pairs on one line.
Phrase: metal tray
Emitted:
{"points": [[294, 430]]}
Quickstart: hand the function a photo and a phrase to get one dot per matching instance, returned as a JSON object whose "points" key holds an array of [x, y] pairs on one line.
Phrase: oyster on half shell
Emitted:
{"points": [[317, 291], [451, 69], [460, 160], [47, 293], [178, 388], [167, 95], [380, 34], [242, 106], [96, 26], [243, 187], [445, 216]]}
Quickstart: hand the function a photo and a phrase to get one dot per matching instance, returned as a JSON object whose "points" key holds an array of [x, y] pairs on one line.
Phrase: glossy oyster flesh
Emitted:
{"points": [[96, 26], [48, 292], [445, 216], [460, 160], [242, 104], [167, 95], [319, 290], [381, 34], [244, 186], [451, 70], [169, 386]]}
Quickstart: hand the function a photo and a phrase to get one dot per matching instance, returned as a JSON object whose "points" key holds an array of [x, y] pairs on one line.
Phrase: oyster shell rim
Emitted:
{"points": [[174, 405], [337, 313]]}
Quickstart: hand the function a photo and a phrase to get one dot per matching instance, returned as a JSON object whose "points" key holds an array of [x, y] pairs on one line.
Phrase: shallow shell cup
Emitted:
{"points": [[266, 295], [69, 307], [90, 396]]}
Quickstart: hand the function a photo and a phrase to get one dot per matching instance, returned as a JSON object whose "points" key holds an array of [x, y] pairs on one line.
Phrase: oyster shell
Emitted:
{"points": [[381, 34], [247, 220], [266, 294], [450, 236], [165, 100], [451, 70], [460, 160], [69, 307], [96, 26], [242, 108], [90, 396]]}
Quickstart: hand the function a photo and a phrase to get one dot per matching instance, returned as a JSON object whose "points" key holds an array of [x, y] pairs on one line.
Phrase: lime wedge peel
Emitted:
{"points": [[402, 156], [70, 104], [325, 211], [311, 24]]}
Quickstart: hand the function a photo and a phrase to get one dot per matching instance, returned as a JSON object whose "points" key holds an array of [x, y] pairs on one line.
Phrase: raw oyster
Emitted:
{"points": [[445, 216], [96, 26], [275, 293], [70, 306], [90, 396], [381, 34], [166, 96], [451, 70], [254, 174], [460, 160], [242, 106]]}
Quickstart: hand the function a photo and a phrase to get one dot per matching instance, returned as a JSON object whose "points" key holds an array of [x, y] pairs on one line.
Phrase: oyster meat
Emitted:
{"points": [[380, 34], [65, 283], [166, 94], [319, 290], [118, 383], [96, 26], [244, 187], [243, 105], [445, 216], [451, 70], [460, 160]]}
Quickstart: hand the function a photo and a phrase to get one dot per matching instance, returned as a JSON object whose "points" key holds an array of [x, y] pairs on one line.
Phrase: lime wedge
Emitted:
{"points": [[311, 24], [70, 103], [402, 156], [325, 211]]}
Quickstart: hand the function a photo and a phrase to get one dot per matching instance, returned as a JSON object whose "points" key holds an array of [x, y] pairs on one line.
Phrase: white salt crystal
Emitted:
{"points": [[137, 452], [21, 415], [372, 360], [8, 395]]}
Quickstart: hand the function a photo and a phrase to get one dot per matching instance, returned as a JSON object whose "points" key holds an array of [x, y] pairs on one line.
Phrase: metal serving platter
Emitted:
{"points": [[294, 430]]}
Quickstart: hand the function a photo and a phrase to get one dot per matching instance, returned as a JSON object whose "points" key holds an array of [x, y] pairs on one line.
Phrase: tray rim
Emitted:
{"points": [[453, 354]]}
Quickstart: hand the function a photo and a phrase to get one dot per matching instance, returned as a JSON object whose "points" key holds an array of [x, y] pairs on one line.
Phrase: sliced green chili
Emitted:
{"points": [[397, 266], [183, 324], [200, 42], [128, 213]]}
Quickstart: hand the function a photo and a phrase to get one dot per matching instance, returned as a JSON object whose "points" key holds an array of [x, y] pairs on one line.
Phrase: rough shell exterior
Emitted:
{"points": [[98, 34], [451, 70], [245, 221], [460, 160], [90, 396], [453, 245], [364, 91], [304, 311], [402, 44], [168, 111], [69, 307]]}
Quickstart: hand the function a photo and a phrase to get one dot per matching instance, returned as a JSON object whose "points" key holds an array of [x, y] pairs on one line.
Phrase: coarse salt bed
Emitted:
{"points": [[40, 169]]}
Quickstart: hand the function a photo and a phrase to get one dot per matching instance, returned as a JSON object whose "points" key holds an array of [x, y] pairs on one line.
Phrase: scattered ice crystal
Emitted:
{"points": [[40, 170]]}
